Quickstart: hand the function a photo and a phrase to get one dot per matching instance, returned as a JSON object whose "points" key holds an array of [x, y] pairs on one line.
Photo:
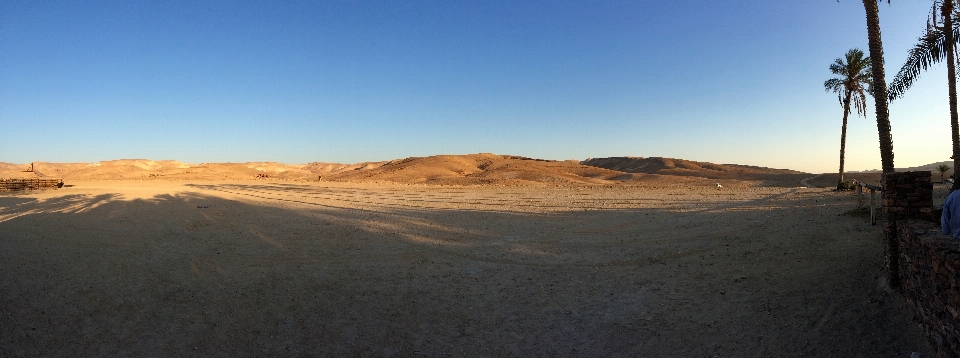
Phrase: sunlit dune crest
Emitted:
{"points": [[470, 169]]}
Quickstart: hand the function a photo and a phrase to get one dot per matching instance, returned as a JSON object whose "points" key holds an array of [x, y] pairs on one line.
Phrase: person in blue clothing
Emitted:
{"points": [[950, 219]]}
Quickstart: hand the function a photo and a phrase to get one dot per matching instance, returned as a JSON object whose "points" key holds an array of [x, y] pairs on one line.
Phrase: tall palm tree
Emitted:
{"points": [[892, 251], [879, 84], [937, 44], [850, 86]]}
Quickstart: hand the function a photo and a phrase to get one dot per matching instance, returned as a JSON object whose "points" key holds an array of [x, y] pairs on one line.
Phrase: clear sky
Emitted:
{"points": [[350, 81]]}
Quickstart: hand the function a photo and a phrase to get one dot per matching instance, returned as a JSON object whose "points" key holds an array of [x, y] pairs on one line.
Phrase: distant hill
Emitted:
{"points": [[486, 168], [828, 180], [470, 169], [146, 169], [333, 168], [931, 167], [681, 167]]}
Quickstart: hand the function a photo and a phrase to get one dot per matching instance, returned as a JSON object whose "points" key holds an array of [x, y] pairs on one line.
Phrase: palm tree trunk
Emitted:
{"points": [[892, 246], [843, 136], [879, 85], [947, 11]]}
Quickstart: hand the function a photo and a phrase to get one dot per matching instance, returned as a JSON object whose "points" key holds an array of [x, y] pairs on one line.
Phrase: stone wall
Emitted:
{"points": [[23, 184], [906, 195], [930, 280], [922, 263]]}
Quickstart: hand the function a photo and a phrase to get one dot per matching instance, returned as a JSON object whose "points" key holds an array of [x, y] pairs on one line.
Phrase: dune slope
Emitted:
{"points": [[689, 168], [485, 168]]}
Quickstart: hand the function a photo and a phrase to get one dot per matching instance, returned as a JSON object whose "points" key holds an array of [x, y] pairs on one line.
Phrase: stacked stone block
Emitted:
{"points": [[930, 280], [24, 184], [906, 195], [921, 262]]}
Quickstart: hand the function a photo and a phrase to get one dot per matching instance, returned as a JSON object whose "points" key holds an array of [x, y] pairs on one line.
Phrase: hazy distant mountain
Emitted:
{"points": [[929, 167], [681, 167]]}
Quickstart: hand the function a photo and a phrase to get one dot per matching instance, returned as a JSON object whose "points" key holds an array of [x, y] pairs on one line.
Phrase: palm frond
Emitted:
{"points": [[833, 85], [859, 100], [929, 50]]}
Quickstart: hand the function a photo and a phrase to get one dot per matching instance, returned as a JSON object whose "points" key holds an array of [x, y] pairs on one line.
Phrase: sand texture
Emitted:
{"points": [[276, 268]]}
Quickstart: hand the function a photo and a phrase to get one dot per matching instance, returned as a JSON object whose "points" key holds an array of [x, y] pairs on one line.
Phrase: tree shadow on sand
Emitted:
{"points": [[286, 273]]}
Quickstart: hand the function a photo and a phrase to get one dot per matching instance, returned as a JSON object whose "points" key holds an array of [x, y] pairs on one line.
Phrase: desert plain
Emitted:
{"points": [[412, 265]]}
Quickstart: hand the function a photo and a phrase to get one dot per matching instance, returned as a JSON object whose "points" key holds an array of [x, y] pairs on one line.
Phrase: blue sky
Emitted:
{"points": [[350, 81]]}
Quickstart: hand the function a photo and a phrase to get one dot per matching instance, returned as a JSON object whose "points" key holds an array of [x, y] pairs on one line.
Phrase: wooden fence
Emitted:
{"points": [[873, 201], [34, 183]]}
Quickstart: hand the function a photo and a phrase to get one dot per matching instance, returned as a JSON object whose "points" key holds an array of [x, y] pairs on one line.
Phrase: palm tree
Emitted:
{"points": [[943, 168], [850, 86], [879, 84], [879, 89], [937, 44]]}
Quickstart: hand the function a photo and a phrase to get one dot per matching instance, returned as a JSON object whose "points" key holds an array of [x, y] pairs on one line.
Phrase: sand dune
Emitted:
{"points": [[154, 169], [249, 170], [471, 169], [486, 168], [681, 167], [332, 168], [40, 170], [16, 171], [689, 168]]}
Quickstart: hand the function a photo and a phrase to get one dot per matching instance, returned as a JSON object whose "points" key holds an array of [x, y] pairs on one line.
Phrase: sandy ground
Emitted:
{"points": [[340, 269]]}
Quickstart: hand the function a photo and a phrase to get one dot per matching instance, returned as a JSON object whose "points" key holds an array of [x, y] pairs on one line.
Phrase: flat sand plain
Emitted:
{"points": [[207, 268]]}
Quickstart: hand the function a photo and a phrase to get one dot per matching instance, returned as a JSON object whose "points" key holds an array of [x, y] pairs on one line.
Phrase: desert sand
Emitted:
{"points": [[289, 268]]}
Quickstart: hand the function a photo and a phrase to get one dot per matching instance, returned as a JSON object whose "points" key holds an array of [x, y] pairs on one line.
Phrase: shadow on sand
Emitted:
{"points": [[195, 274]]}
